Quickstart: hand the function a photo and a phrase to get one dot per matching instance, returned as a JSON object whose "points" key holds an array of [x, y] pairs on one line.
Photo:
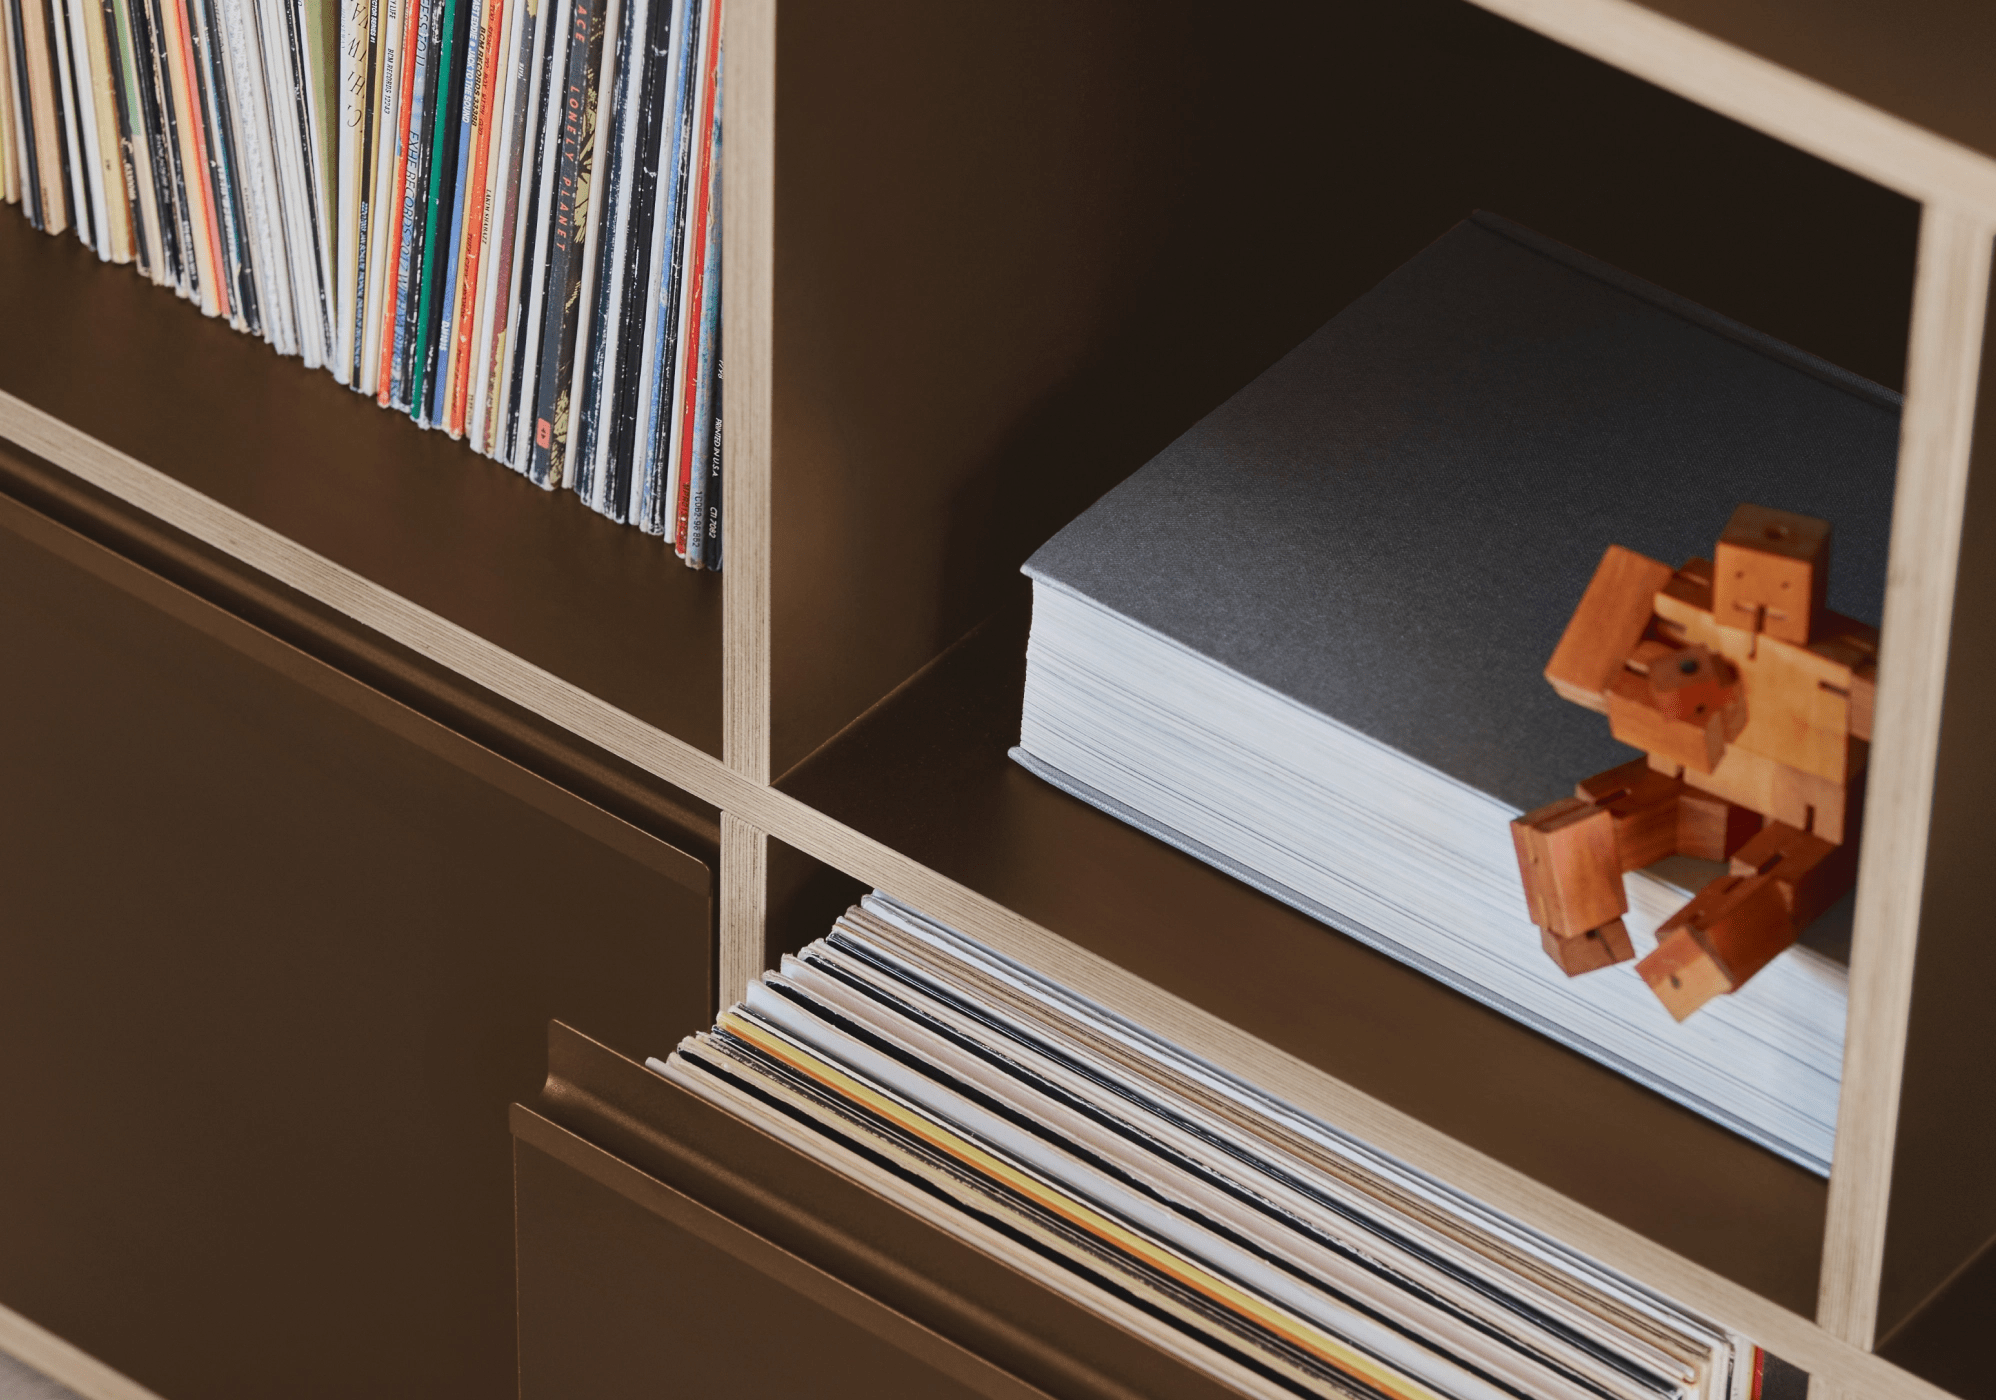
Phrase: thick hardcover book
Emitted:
{"points": [[1374, 547]]}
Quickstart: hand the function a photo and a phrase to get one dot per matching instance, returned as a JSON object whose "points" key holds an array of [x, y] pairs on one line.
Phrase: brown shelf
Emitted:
{"points": [[539, 574], [926, 772]]}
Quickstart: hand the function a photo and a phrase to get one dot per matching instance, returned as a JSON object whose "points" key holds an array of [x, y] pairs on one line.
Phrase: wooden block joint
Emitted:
{"points": [[1642, 803]]}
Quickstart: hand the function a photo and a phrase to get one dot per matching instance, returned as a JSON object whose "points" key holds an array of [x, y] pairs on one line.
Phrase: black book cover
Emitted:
{"points": [[1391, 526]]}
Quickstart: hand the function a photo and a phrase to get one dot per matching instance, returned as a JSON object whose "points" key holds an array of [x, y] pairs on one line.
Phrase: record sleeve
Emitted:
{"points": [[454, 138]]}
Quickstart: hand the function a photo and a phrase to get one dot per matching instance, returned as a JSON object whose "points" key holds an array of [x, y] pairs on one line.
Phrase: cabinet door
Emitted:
{"points": [[276, 953], [666, 1247]]}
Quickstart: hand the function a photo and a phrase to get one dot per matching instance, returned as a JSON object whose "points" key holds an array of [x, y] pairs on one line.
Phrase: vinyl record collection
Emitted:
{"points": [[501, 217], [1254, 1242]]}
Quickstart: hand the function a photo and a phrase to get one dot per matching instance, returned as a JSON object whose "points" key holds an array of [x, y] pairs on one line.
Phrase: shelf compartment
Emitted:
{"points": [[926, 773], [603, 606]]}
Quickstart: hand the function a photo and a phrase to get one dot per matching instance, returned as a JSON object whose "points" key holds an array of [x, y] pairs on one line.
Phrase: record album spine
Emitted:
{"points": [[569, 202]]}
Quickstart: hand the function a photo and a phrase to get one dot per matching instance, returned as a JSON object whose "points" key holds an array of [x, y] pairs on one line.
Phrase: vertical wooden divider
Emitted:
{"points": [[744, 908], [748, 193], [1949, 302]]}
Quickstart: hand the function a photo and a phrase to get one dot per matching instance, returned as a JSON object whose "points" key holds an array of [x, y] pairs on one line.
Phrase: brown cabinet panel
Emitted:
{"points": [[275, 954]]}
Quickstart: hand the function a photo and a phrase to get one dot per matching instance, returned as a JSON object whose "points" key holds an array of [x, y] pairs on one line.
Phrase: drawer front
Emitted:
{"points": [[630, 1192], [276, 953]]}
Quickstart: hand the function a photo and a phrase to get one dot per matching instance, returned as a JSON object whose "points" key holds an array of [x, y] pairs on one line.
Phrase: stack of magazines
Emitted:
{"points": [[1259, 1245], [501, 217]]}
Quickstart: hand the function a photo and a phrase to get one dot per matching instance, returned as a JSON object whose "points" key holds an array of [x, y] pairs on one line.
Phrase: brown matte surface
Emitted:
{"points": [[928, 773], [1020, 248], [276, 953], [1947, 1341], [601, 605], [1923, 60], [336, 639], [617, 1303], [1943, 1204], [805, 897], [780, 1197]]}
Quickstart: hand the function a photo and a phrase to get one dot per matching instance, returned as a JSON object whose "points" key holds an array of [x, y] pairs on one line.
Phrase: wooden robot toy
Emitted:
{"points": [[1752, 702]]}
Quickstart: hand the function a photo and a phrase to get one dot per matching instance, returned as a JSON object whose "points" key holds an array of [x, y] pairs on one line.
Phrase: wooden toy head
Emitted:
{"points": [[1770, 572]]}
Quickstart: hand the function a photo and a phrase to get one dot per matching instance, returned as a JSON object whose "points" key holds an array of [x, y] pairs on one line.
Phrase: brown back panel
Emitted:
{"points": [[927, 773], [275, 954], [602, 605], [1019, 248], [1943, 1204], [1920, 59]]}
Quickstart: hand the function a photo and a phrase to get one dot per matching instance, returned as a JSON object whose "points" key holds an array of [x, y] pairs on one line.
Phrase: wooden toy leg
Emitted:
{"points": [[1732, 929], [1573, 883]]}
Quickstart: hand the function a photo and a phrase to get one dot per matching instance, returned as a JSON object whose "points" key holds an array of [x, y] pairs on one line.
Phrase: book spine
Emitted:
{"points": [[208, 280], [26, 137], [467, 121], [711, 545], [10, 166], [153, 49], [386, 17], [257, 177], [704, 319], [117, 241], [524, 340], [75, 170], [447, 77], [134, 145], [311, 259], [211, 86], [478, 225], [394, 277], [639, 292], [603, 292], [503, 217], [349, 302], [415, 151], [650, 458], [570, 200], [686, 385]]}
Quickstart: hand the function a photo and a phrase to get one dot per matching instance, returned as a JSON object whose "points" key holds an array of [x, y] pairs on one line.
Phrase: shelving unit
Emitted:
{"points": [[983, 263]]}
